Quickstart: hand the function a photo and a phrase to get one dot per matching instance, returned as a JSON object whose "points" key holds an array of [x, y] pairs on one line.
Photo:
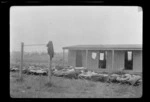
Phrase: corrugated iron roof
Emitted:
{"points": [[106, 47]]}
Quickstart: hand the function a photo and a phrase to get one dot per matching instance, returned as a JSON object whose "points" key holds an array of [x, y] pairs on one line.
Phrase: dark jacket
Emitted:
{"points": [[50, 49]]}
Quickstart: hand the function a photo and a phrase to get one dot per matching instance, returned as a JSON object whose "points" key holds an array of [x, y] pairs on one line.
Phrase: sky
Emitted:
{"points": [[74, 25]]}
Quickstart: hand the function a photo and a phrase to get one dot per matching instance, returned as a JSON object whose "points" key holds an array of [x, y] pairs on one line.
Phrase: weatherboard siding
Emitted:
{"points": [[92, 63], [119, 57], [71, 58], [137, 61]]}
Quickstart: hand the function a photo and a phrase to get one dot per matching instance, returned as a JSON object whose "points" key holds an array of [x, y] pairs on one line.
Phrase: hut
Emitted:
{"points": [[108, 58]]}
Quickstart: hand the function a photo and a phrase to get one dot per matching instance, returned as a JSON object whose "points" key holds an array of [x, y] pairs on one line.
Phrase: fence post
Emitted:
{"points": [[21, 61], [50, 71], [63, 58]]}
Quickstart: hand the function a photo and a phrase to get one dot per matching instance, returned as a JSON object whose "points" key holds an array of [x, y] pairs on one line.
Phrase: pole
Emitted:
{"points": [[51, 54], [63, 58], [86, 57], [50, 70], [112, 60], [21, 63]]}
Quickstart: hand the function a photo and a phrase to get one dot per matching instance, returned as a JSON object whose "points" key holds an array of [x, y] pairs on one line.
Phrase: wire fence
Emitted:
{"points": [[37, 55], [37, 58]]}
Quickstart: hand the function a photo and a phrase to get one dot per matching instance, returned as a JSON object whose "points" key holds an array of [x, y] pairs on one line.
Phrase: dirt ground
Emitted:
{"points": [[36, 87]]}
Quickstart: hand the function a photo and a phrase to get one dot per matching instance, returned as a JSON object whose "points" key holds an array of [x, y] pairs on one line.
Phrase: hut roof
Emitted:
{"points": [[106, 47]]}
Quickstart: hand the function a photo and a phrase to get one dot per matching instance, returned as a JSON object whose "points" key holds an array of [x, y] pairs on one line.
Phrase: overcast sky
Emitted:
{"points": [[74, 25]]}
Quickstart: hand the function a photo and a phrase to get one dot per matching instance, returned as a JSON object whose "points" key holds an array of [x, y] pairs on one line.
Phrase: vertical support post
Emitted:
{"points": [[112, 60], [67, 56], [63, 58], [105, 55], [50, 71], [51, 55], [86, 57], [21, 61]]}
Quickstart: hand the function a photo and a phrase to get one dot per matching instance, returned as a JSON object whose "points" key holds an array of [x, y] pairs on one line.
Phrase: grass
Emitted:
{"points": [[38, 87]]}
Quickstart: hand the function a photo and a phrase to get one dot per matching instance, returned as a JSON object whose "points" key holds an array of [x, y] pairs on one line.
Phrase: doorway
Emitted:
{"points": [[102, 60], [128, 60], [78, 58]]}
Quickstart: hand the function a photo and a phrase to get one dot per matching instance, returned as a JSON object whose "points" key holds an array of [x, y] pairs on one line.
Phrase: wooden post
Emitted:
{"points": [[112, 60], [51, 55], [21, 61], [63, 58], [50, 70], [67, 56], [86, 57]]}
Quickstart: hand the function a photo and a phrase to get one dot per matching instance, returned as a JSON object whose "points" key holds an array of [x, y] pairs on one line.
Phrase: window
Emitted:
{"points": [[102, 56], [129, 55], [128, 60], [94, 54]]}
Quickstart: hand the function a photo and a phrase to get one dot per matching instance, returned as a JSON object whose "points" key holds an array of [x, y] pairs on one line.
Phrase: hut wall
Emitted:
{"points": [[92, 63], [119, 57], [137, 61], [71, 58]]}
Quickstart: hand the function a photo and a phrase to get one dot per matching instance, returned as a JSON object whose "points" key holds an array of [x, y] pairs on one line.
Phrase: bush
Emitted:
{"points": [[59, 67], [119, 72]]}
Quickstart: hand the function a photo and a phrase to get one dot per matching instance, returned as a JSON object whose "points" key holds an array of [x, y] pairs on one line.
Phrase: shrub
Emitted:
{"points": [[59, 67], [119, 72]]}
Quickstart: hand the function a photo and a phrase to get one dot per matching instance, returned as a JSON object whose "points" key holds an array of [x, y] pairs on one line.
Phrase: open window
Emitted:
{"points": [[102, 60], [128, 60], [94, 54]]}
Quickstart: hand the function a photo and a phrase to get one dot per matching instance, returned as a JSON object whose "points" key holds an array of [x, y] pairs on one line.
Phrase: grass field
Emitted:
{"points": [[36, 87]]}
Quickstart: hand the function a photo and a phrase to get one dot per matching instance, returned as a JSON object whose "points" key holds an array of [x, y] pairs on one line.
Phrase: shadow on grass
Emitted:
{"points": [[49, 84], [20, 80]]}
